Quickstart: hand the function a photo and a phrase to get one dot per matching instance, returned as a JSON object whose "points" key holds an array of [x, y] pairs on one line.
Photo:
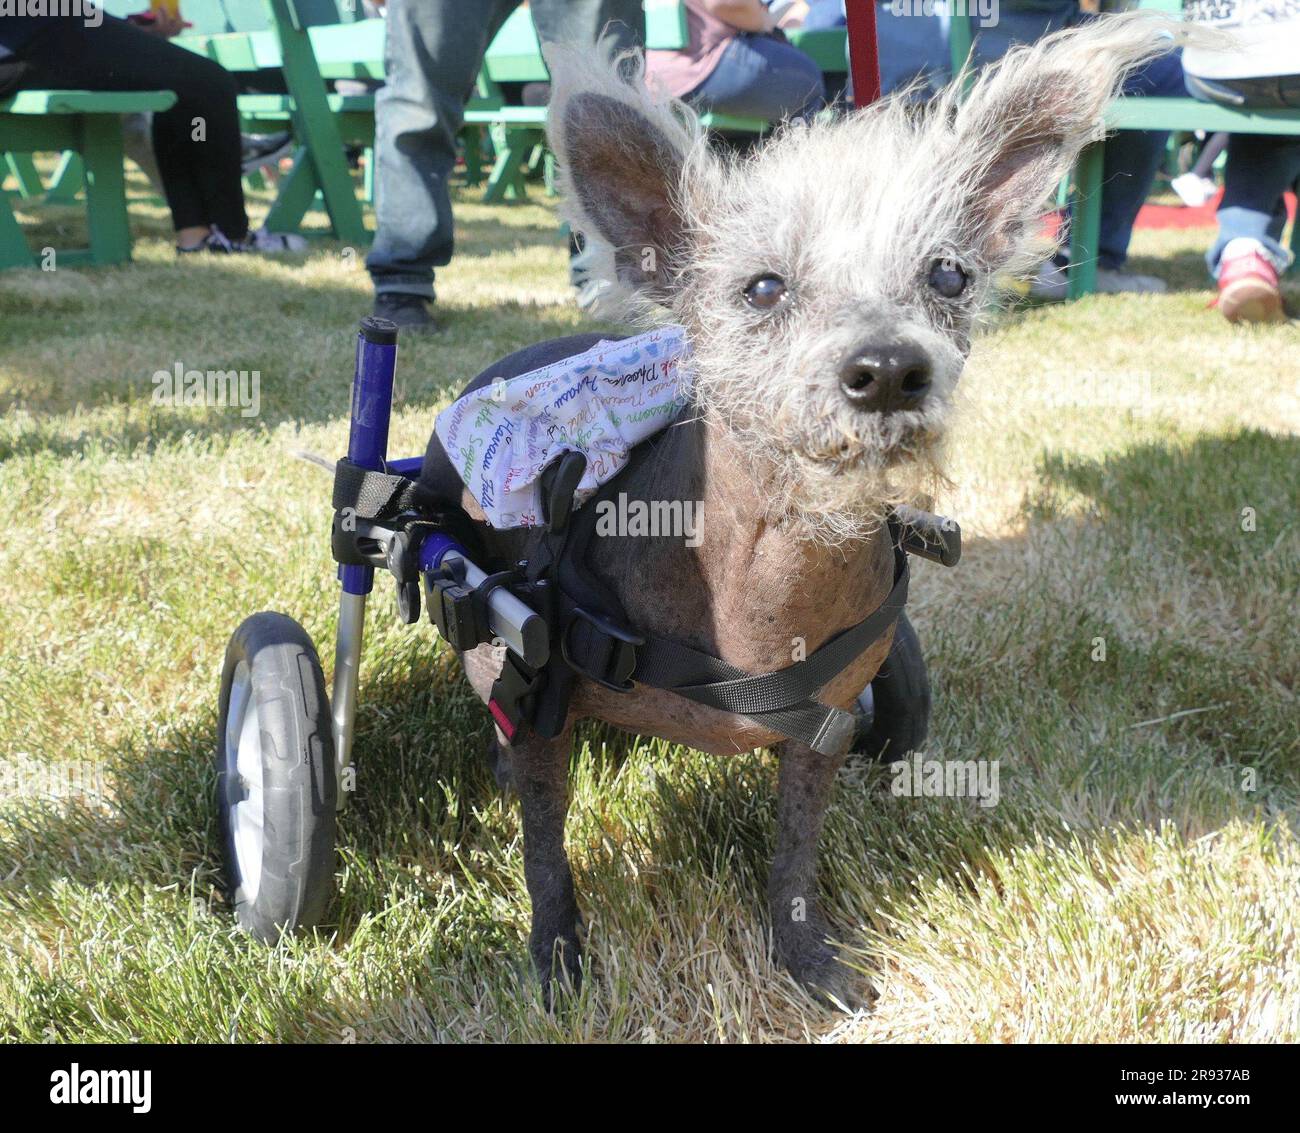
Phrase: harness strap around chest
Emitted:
{"points": [[783, 701]]}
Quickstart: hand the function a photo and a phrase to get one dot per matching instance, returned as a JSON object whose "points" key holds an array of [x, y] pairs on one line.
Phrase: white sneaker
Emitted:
{"points": [[1119, 282], [596, 297], [1050, 283], [260, 240], [1192, 190], [261, 150]]}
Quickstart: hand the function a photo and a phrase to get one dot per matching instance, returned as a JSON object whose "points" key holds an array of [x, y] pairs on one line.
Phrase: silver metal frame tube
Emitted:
{"points": [[347, 670]]}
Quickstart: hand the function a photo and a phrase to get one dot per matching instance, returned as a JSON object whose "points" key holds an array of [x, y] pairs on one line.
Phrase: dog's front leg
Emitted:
{"points": [[540, 773], [804, 785]]}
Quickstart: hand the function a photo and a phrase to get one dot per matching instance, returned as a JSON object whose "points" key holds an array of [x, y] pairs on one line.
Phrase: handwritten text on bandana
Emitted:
{"points": [[600, 403]]}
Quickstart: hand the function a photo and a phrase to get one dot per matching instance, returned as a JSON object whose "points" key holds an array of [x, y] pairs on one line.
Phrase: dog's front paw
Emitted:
{"points": [[834, 982], [817, 966], [557, 960]]}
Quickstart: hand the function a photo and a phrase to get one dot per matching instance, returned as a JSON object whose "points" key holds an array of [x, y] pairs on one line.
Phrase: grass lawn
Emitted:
{"points": [[1120, 636]]}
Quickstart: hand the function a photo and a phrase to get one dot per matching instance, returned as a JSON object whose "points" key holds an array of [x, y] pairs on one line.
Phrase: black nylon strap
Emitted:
{"points": [[784, 700], [372, 495], [736, 691]]}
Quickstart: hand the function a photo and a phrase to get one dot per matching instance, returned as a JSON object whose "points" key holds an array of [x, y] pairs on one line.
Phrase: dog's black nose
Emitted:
{"points": [[886, 377]]}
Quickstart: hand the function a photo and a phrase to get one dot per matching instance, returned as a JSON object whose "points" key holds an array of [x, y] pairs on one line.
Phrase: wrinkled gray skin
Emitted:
{"points": [[745, 594]]}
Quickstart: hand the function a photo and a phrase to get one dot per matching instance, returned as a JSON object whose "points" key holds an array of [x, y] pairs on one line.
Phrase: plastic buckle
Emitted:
{"points": [[402, 566], [933, 537], [559, 481], [620, 660], [512, 687], [453, 609]]}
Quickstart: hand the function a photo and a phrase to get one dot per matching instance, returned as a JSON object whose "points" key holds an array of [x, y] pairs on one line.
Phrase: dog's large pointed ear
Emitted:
{"points": [[622, 157], [1021, 126]]}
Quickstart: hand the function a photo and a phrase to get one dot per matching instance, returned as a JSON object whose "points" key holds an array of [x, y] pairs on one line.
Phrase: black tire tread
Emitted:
{"points": [[901, 690], [299, 791]]}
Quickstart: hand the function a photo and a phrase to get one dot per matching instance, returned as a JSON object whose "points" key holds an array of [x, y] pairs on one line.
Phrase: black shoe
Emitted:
{"points": [[216, 242], [259, 150], [409, 312], [260, 240]]}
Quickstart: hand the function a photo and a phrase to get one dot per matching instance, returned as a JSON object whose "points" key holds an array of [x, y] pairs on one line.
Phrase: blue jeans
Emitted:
{"points": [[1019, 25], [433, 53], [759, 76], [912, 47], [1130, 157], [1260, 168], [823, 14]]}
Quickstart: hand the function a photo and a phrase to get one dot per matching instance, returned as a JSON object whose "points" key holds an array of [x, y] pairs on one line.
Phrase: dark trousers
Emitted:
{"points": [[434, 49], [196, 142], [1260, 167]]}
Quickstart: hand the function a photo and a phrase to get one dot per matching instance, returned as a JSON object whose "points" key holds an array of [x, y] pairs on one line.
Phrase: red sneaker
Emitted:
{"points": [[1248, 287]]}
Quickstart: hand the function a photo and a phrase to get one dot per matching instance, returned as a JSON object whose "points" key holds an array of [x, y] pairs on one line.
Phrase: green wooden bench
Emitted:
{"points": [[313, 52], [312, 41], [267, 35], [317, 120], [518, 132], [1155, 114], [1135, 113], [827, 47], [89, 124], [273, 35], [205, 16]]}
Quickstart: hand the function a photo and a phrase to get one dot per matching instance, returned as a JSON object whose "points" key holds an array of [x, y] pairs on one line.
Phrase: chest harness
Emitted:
{"points": [[382, 519]]}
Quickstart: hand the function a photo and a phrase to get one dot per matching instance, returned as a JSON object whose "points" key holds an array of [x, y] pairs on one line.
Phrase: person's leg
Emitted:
{"points": [[586, 21], [433, 52], [992, 42], [1217, 143], [1259, 169], [1131, 159], [617, 24], [198, 147], [824, 14], [912, 47], [761, 77], [200, 173]]}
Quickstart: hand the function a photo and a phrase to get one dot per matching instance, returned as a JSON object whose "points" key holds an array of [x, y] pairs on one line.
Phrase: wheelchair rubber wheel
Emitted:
{"points": [[894, 710], [276, 789]]}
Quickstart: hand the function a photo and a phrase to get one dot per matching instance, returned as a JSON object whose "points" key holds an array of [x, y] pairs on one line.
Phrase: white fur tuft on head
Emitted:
{"points": [[618, 144], [1017, 128]]}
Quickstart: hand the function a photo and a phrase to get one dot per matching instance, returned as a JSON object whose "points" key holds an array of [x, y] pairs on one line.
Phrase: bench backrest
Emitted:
{"points": [[665, 25], [216, 17], [253, 15], [515, 55], [207, 16]]}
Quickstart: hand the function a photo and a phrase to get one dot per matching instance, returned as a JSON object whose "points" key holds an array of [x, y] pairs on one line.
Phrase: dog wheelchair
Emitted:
{"points": [[284, 747]]}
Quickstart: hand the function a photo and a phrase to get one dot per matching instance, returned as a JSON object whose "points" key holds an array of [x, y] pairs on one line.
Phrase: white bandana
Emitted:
{"points": [[599, 403]]}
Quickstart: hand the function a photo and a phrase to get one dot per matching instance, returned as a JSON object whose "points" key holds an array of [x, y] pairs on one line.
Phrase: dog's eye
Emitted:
{"points": [[948, 278], [766, 293]]}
